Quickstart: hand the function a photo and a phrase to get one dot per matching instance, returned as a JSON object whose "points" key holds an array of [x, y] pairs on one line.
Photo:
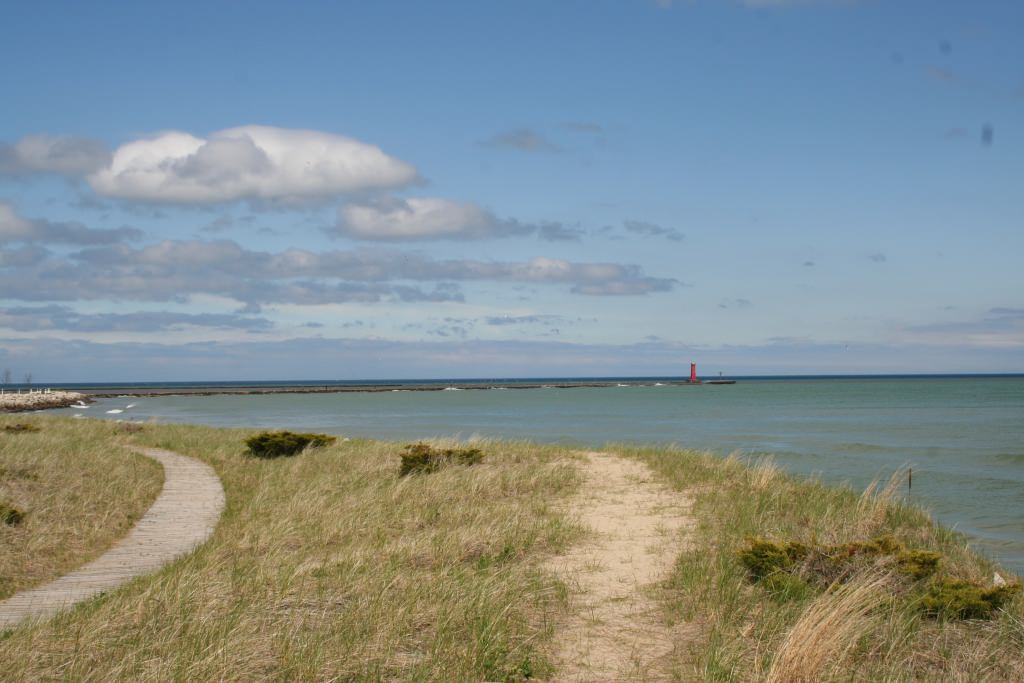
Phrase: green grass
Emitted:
{"points": [[77, 490], [746, 622], [329, 566]]}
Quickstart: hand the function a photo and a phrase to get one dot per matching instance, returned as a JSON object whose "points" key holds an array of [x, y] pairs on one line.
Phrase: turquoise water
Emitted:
{"points": [[964, 437]]}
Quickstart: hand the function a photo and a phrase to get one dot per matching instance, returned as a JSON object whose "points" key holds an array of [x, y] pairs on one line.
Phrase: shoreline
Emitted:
{"points": [[114, 392]]}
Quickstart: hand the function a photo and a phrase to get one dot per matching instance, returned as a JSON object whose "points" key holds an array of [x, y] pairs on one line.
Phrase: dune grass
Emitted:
{"points": [[871, 626], [330, 566], [76, 489]]}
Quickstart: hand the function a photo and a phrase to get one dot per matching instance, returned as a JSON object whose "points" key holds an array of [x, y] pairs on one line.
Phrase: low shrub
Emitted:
{"points": [[423, 458], [957, 599], [791, 570], [20, 427], [10, 516], [763, 558], [918, 564], [284, 444]]}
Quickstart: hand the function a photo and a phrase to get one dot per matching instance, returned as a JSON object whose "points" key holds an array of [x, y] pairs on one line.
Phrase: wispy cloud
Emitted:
{"points": [[175, 270], [62, 155], [523, 139], [649, 229], [420, 219], [53, 317], [15, 228]]}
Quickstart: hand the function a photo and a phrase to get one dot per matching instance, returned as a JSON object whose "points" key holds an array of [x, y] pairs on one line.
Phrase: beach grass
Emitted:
{"points": [[330, 565], [869, 627], [76, 489]]}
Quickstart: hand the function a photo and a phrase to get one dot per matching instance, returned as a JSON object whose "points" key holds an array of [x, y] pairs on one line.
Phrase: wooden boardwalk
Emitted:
{"points": [[182, 517]]}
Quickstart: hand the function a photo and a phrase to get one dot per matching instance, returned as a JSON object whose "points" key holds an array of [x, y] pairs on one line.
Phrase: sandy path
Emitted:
{"points": [[182, 517], [616, 632]]}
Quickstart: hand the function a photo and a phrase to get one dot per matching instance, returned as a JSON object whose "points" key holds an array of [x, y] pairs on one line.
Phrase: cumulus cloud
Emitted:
{"points": [[15, 228], [251, 162], [63, 155], [649, 229], [174, 270], [523, 139], [53, 317], [420, 219]]}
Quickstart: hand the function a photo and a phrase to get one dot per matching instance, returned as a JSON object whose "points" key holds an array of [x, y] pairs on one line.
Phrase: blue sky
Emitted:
{"points": [[400, 189]]}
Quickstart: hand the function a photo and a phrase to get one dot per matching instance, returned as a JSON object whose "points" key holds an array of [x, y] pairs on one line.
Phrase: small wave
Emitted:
{"points": [[452, 389], [130, 405], [658, 384], [115, 411]]}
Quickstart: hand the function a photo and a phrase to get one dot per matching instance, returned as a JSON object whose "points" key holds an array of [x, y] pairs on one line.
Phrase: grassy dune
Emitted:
{"points": [[872, 628], [329, 566], [79, 490]]}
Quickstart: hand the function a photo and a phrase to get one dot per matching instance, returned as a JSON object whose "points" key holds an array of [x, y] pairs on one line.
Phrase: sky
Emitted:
{"points": [[359, 190]]}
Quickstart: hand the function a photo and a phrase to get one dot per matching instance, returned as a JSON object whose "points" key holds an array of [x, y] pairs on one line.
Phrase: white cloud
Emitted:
{"points": [[65, 155], [12, 226], [422, 219], [250, 162]]}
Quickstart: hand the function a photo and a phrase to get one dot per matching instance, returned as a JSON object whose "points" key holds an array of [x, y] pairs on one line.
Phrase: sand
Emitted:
{"points": [[616, 632]]}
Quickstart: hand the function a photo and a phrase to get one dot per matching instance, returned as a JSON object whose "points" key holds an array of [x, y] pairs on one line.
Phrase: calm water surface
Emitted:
{"points": [[964, 437]]}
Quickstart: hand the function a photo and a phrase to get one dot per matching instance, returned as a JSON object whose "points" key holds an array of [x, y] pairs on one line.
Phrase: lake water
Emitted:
{"points": [[964, 437]]}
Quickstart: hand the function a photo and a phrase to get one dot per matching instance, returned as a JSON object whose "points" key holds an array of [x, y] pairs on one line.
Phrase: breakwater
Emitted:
{"points": [[42, 399]]}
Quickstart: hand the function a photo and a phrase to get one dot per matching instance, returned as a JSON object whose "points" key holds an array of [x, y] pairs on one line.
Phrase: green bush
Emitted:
{"points": [[10, 516], [283, 444], [919, 564], [764, 558], [423, 458], [956, 599]]}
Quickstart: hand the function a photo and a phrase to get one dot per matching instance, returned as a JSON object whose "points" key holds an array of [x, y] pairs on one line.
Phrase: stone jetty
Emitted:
{"points": [[38, 399]]}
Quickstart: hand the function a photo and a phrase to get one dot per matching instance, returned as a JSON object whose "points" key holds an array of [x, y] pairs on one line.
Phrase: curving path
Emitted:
{"points": [[182, 517]]}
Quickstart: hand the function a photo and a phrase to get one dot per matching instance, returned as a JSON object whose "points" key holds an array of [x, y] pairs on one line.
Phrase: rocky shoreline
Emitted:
{"points": [[39, 400]]}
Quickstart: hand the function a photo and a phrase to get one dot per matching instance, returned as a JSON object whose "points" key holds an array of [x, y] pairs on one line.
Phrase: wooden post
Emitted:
{"points": [[910, 477]]}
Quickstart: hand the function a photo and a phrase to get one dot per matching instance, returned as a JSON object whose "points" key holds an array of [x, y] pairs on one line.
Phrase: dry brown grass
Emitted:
{"points": [[788, 628], [80, 492], [329, 566], [827, 631]]}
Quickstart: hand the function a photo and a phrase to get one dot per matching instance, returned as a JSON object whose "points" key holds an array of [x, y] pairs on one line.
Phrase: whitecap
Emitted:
{"points": [[115, 411]]}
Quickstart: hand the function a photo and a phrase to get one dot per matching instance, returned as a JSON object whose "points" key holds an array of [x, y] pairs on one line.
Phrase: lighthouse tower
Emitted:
{"points": [[693, 374]]}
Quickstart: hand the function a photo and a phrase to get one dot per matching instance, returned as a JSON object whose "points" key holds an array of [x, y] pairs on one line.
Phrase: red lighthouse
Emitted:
{"points": [[693, 374]]}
